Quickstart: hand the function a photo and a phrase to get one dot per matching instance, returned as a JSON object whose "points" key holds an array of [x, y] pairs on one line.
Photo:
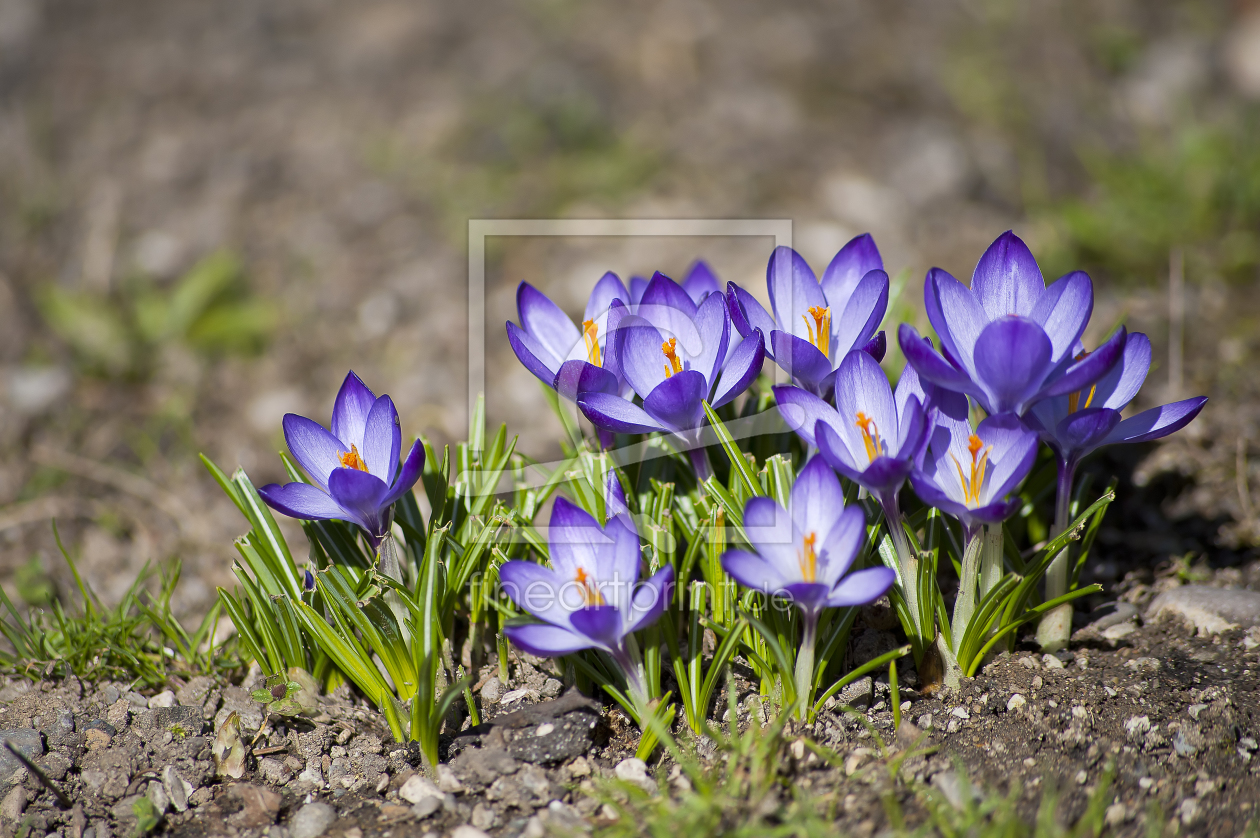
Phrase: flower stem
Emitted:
{"points": [[991, 559], [908, 564], [1055, 628], [965, 604], [805, 664], [700, 462]]}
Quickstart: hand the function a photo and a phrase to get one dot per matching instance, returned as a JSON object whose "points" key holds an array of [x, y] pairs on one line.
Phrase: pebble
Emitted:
{"points": [[1016, 702], [925, 721], [14, 804], [312, 820], [447, 781], [1115, 815], [960, 712], [634, 770], [177, 789], [27, 741], [166, 698], [951, 786], [426, 806], [858, 695], [465, 831], [1051, 662], [1189, 811], [1137, 725], [490, 691], [1208, 610], [418, 788]]}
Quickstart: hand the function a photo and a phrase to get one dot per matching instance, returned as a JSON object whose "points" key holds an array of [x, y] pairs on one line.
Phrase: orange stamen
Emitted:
{"points": [[590, 592], [979, 464], [809, 558], [1074, 399], [820, 329], [351, 459], [590, 333], [870, 436], [670, 348]]}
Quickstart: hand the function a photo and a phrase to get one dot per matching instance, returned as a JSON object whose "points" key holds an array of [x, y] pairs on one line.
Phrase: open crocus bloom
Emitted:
{"points": [[969, 473], [675, 355], [354, 469], [1076, 423], [815, 324], [873, 437], [804, 552], [1008, 339], [569, 359], [699, 283], [590, 596]]}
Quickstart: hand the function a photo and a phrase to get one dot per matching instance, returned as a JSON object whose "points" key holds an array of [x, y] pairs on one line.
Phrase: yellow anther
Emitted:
{"points": [[1074, 399], [820, 329], [590, 333], [979, 463], [870, 436], [809, 558], [351, 459], [670, 348], [590, 591]]}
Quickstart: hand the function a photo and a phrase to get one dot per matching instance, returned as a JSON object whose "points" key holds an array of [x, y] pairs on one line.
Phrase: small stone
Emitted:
{"points": [[166, 698], [960, 712], [925, 721], [490, 691], [1037, 683], [1145, 664], [96, 738], [274, 771], [1029, 662], [1082, 778], [859, 694], [483, 817], [856, 760], [1188, 740], [312, 775], [1248, 743], [417, 788], [177, 790], [1051, 662], [157, 796], [544, 729], [426, 806], [1136, 726], [312, 820], [951, 786], [119, 713], [447, 781], [551, 688], [1115, 815], [1195, 709], [1016, 702], [517, 695], [1189, 811], [634, 771], [27, 741], [465, 831], [259, 806], [1146, 783], [580, 767], [14, 805], [1207, 610]]}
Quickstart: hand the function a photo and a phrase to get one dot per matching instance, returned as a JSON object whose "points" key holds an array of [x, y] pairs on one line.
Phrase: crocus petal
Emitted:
{"points": [[793, 291], [700, 282], [1007, 280], [638, 285], [301, 500], [769, 530], [650, 599], [1064, 310], [930, 366], [816, 499], [642, 360], [863, 388], [1012, 357], [546, 641], [545, 321], [677, 402], [842, 544], [316, 450], [382, 440], [881, 476], [609, 288], [618, 565], [532, 354], [361, 494], [1089, 369], [1012, 455], [752, 571], [861, 587], [807, 596], [613, 413], [861, 315], [747, 314], [579, 377], [742, 367], [955, 314], [412, 466], [1157, 422], [802, 410], [614, 496], [601, 623], [574, 537], [800, 359], [877, 346], [1121, 384], [663, 292], [350, 410], [1083, 431], [833, 449], [855, 260], [540, 591], [712, 323]]}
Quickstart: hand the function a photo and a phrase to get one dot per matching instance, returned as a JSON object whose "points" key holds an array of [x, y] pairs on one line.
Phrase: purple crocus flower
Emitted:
{"points": [[354, 469], [699, 283], [675, 355], [1007, 340], [969, 473], [589, 597], [872, 438], [815, 324], [804, 553], [1079, 422], [569, 359]]}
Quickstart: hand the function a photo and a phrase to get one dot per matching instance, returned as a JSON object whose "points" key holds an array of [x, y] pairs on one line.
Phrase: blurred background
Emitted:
{"points": [[210, 211]]}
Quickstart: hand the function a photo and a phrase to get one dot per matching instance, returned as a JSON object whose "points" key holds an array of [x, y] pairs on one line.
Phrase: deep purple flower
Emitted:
{"points": [[569, 359], [804, 552], [969, 474], [589, 597], [873, 437], [675, 355], [699, 283], [1076, 423], [354, 469], [1007, 340], [816, 324]]}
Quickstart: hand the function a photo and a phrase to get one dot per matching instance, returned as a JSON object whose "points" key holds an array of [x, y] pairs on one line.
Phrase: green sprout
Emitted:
{"points": [[278, 694]]}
